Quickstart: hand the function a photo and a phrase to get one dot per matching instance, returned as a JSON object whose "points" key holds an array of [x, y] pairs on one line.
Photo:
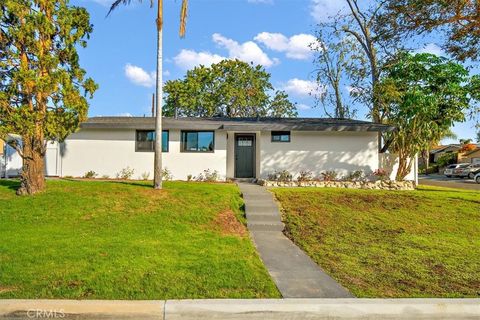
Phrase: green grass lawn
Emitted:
{"points": [[423, 243], [114, 240]]}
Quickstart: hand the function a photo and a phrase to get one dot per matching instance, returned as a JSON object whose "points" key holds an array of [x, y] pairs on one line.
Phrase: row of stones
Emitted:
{"points": [[373, 185]]}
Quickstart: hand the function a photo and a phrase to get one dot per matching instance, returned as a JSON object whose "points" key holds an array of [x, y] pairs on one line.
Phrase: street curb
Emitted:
{"points": [[261, 309]]}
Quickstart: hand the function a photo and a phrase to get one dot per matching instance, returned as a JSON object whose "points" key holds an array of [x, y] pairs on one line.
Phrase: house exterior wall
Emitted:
{"points": [[469, 157], [108, 151], [343, 152]]}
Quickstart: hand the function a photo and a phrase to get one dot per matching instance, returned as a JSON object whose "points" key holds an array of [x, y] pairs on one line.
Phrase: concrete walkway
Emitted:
{"points": [[294, 273]]}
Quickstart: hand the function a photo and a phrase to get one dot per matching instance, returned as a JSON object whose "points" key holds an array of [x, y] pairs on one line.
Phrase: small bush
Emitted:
{"points": [[206, 176], [329, 175], [446, 159], [305, 176], [105, 176], [210, 176], [125, 173], [381, 174], [280, 176], [356, 175], [145, 175], [90, 174], [167, 174]]}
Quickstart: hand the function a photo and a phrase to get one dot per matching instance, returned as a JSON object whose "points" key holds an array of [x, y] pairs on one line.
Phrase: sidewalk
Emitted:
{"points": [[226, 309], [294, 273]]}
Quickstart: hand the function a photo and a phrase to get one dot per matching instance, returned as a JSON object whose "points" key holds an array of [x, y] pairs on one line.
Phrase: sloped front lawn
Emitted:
{"points": [[114, 240], [423, 243]]}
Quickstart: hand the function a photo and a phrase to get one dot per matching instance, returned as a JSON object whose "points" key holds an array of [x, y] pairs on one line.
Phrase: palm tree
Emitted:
{"points": [[157, 176]]}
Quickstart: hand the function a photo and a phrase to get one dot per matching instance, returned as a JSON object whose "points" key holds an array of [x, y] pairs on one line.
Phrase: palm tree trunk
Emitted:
{"points": [[157, 172]]}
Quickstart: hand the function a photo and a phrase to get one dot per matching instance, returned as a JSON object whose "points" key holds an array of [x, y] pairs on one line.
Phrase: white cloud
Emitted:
{"points": [[166, 73], [139, 76], [322, 10], [431, 48], [301, 106], [125, 114], [300, 87], [106, 3], [295, 47], [248, 51], [188, 59], [260, 1]]}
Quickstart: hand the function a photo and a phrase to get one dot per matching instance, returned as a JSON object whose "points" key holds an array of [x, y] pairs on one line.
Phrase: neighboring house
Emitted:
{"points": [[440, 151], [470, 156], [234, 147], [10, 161]]}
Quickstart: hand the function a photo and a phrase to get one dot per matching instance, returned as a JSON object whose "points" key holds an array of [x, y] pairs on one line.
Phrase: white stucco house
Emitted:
{"points": [[235, 148]]}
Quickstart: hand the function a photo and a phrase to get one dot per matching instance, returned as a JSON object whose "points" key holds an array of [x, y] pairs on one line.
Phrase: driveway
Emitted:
{"points": [[442, 181]]}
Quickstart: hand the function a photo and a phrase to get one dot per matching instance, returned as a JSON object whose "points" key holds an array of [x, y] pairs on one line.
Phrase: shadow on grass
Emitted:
{"points": [[126, 182], [10, 184]]}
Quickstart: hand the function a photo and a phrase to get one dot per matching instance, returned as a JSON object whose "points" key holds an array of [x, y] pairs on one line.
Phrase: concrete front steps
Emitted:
{"points": [[261, 210]]}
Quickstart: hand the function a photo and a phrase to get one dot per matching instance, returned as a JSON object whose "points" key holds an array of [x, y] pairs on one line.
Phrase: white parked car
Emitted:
{"points": [[456, 170], [477, 178]]}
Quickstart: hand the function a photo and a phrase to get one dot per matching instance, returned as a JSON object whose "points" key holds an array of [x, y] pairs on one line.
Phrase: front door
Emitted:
{"points": [[244, 156]]}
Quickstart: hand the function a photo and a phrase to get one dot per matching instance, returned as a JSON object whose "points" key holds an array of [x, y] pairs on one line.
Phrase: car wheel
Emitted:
{"points": [[471, 175], [448, 176], [478, 179]]}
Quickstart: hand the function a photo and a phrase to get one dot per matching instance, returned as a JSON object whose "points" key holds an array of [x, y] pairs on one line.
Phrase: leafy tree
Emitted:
{"points": [[42, 86], [460, 20], [157, 170], [424, 95], [230, 88], [334, 55]]}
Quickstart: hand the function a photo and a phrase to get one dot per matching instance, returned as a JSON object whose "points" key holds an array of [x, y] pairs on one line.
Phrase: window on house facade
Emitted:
{"points": [[198, 141], [280, 136], [145, 140]]}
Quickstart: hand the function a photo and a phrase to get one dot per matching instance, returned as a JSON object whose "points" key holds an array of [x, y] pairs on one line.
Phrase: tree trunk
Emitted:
{"points": [[157, 171], [33, 172], [404, 167]]}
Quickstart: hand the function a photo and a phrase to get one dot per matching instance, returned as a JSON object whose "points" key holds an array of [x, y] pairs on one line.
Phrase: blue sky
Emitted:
{"points": [[275, 33]]}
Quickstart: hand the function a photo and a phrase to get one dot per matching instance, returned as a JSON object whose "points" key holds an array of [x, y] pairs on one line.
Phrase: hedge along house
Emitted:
{"points": [[235, 148]]}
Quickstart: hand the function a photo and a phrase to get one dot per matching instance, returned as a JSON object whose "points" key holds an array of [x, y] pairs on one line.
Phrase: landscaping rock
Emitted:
{"points": [[367, 185]]}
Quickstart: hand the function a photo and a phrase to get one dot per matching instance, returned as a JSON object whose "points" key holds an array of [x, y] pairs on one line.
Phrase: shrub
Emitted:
{"points": [[446, 159], [356, 175], [281, 176], [305, 176], [90, 174], [210, 176], [105, 176], [125, 173], [381, 174], [145, 175], [167, 174], [190, 177], [329, 175]]}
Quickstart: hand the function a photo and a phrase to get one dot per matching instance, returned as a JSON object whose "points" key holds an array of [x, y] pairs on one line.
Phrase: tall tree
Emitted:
{"points": [[458, 19], [157, 170], [334, 56], [359, 23], [230, 88], [42, 86], [425, 95]]}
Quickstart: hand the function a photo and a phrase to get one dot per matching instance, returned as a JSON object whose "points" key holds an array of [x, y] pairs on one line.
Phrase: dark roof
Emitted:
{"points": [[252, 124]]}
